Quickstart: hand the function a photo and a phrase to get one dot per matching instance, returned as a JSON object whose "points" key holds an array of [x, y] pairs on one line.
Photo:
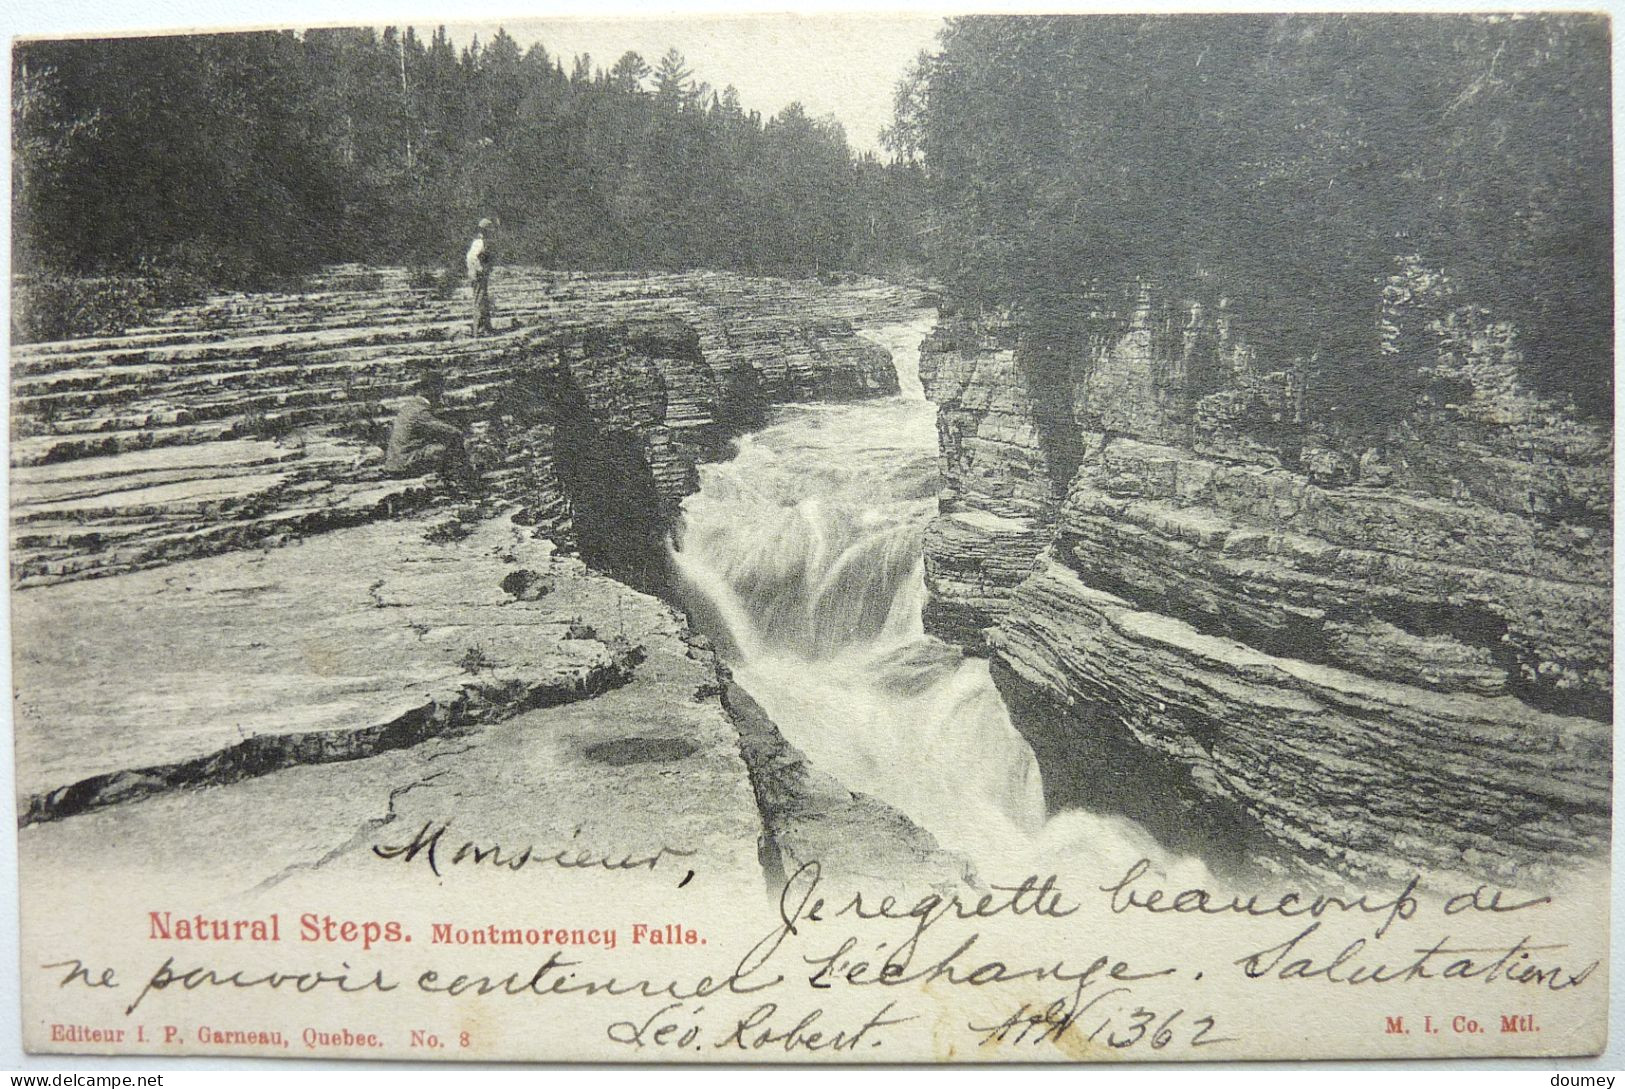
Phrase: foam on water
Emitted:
{"points": [[802, 558]]}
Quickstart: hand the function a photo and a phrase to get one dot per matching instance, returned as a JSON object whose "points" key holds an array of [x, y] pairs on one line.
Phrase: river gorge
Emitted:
{"points": [[802, 556], [818, 572]]}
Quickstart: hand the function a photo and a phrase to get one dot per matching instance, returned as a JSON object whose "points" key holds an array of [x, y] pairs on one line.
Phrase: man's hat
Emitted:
{"points": [[486, 224]]}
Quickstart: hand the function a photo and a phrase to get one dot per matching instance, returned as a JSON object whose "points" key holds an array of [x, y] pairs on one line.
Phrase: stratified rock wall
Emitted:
{"points": [[251, 419], [999, 498], [1388, 652], [460, 656]]}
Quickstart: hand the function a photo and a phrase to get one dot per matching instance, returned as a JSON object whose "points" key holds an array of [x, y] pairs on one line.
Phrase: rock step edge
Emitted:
{"points": [[471, 706]]}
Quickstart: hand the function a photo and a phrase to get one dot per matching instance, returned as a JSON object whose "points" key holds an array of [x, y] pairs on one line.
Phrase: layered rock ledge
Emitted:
{"points": [[222, 602], [285, 712], [1370, 657], [249, 419]]}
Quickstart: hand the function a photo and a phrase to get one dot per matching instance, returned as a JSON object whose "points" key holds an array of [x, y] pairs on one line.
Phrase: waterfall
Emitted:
{"points": [[802, 559]]}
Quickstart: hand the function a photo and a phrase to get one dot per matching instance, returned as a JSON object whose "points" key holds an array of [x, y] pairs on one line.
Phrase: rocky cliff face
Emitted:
{"points": [[251, 419], [411, 636], [1367, 655]]}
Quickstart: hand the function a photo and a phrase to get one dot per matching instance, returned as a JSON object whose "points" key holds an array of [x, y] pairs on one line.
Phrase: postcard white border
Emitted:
{"points": [[56, 18]]}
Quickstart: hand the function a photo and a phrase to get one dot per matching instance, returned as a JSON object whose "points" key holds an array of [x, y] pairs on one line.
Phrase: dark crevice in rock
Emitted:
{"points": [[745, 406], [1044, 364], [666, 339], [474, 705], [1090, 761], [616, 513], [1523, 684]]}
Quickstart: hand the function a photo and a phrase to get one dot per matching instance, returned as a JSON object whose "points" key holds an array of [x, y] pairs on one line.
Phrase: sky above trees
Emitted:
{"points": [[840, 65], [844, 65], [264, 152]]}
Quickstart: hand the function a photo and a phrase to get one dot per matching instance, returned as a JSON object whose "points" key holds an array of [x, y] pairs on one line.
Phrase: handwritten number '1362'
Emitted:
{"points": [[1053, 1023], [1140, 1022]]}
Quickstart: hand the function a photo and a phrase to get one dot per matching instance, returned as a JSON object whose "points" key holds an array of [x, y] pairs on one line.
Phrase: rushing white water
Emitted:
{"points": [[802, 558]]}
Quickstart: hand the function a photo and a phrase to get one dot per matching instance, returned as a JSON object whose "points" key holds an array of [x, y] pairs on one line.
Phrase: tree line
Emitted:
{"points": [[237, 154], [1283, 163]]}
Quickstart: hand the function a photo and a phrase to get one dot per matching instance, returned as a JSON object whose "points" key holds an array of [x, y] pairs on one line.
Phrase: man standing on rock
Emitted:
{"points": [[481, 256]]}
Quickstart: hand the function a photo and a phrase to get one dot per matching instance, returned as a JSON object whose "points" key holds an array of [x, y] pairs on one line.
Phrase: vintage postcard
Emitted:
{"points": [[849, 538]]}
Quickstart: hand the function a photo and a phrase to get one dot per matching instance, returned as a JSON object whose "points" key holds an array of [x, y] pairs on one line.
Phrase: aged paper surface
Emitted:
{"points": [[1001, 539]]}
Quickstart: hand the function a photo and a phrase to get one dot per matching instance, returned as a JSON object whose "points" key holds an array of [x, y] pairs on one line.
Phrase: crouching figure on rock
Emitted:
{"points": [[421, 442]]}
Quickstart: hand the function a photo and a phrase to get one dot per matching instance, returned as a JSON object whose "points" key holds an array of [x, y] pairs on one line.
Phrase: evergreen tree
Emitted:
{"points": [[629, 72]]}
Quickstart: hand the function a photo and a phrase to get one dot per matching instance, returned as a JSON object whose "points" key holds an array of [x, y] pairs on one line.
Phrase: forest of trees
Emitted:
{"points": [[233, 155], [1284, 162]]}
